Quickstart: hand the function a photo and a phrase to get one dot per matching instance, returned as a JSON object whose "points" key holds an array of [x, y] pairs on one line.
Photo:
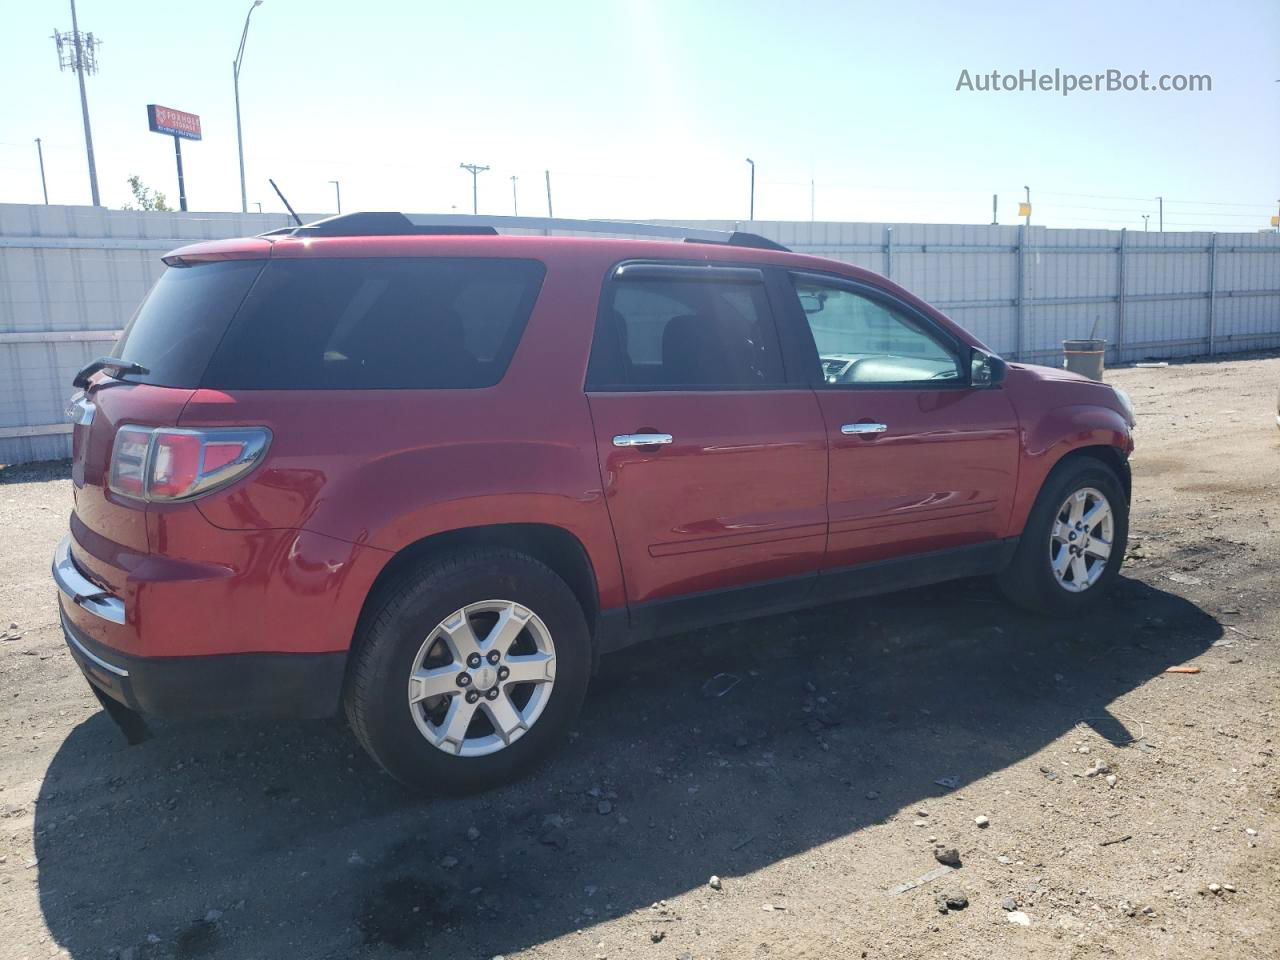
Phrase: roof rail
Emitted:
{"points": [[417, 224]]}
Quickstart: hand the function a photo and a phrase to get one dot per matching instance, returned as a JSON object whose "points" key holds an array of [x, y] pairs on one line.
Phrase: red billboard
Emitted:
{"points": [[176, 123]]}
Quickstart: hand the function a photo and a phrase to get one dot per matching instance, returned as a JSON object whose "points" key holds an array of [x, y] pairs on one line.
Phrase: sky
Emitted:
{"points": [[649, 109]]}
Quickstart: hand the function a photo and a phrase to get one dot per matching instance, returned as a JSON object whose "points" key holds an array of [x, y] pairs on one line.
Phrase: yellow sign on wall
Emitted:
{"points": [[1275, 221], [1024, 209]]}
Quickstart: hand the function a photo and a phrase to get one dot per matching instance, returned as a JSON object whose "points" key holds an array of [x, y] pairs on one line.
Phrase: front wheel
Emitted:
{"points": [[1073, 543], [469, 671]]}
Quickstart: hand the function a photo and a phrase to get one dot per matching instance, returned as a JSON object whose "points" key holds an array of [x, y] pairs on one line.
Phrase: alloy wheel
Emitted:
{"points": [[482, 677], [1081, 539]]}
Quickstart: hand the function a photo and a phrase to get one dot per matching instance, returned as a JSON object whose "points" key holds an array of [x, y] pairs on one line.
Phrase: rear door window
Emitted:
{"points": [[391, 323], [670, 329]]}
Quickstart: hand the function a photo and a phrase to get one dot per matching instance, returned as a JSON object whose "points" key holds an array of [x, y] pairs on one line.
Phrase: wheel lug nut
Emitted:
{"points": [[503, 673], [494, 656], [472, 696], [464, 679], [473, 660], [492, 694]]}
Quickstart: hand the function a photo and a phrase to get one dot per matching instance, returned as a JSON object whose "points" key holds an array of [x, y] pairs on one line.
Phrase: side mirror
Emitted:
{"points": [[986, 370]]}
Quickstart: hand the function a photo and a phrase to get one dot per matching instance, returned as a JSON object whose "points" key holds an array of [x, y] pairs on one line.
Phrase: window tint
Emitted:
{"points": [[679, 333], [864, 340], [182, 319], [396, 323]]}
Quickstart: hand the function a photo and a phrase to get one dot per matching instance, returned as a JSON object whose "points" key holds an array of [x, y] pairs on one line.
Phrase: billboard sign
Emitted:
{"points": [[175, 123]]}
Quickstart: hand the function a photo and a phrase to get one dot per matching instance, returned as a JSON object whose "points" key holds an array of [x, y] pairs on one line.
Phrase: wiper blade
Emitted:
{"points": [[117, 366]]}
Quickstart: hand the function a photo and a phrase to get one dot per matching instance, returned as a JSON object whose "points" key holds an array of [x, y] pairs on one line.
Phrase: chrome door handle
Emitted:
{"points": [[641, 439], [863, 428]]}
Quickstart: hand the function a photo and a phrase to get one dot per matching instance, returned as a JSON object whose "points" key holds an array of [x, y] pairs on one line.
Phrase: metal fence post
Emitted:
{"points": [[1119, 355], [888, 252], [1213, 290], [1022, 273]]}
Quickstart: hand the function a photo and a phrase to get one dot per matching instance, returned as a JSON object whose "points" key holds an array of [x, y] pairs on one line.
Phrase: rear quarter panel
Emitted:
{"points": [[386, 468]]}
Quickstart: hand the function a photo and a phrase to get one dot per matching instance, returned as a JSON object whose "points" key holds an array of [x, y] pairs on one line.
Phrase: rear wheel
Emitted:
{"points": [[1073, 543], [469, 671]]}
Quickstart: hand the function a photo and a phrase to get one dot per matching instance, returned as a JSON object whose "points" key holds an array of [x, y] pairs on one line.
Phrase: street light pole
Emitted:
{"points": [[1028, 189], [43, 186], [515, 201], [1146, 217], [752, 214], [337, 190], [235, 72], [1161, 199]]}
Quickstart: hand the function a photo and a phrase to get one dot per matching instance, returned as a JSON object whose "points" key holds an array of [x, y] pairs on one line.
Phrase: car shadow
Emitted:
{"points": [[235, 839]]}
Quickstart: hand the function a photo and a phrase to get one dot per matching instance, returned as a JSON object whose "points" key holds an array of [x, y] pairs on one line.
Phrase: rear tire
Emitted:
{"points": [[439, 706], [1057, 569]]}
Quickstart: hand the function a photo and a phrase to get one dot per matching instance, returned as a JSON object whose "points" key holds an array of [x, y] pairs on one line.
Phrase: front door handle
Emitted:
{"points": [[849, 428], [641, 439]]}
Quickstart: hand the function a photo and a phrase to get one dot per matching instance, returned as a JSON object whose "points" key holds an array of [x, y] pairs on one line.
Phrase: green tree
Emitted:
{"points": [[145, 198]]}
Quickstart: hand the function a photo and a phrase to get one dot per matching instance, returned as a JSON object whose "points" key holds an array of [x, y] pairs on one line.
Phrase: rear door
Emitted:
{"points": [[922, 461], [731, 491]]}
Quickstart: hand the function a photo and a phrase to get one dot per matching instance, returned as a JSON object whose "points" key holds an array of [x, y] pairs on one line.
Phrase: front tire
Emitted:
{"points": [[468, 671], [1073, 543]]}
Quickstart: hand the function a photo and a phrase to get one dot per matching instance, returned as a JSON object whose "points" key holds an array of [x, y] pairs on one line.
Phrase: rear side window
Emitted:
{"points": [[182, 319], [395, 323], [669, 333]]}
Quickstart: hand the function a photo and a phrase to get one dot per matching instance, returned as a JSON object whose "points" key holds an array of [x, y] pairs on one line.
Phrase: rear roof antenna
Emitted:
{"points": [[297, 219]]}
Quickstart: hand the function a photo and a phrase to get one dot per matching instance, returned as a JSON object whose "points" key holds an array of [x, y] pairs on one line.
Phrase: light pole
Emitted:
{"points": [[1028, 189], [1146, 217], [475, 170], [337, 190], [43, 185], [1161, 199], [515, 201], [752, 214], [235, 71]]}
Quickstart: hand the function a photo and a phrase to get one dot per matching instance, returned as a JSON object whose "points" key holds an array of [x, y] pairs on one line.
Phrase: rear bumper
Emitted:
{"points": [[300, 685]]}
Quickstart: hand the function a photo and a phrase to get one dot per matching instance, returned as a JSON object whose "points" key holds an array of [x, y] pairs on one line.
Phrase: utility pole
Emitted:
{"points": [[43, 186], [515, 202], [1028, 189], [475, 170], [337, 190], [1161, 199], [752, 214], [79, 52], [1145, 224], [995, 201], [549, 213], [811, 200], [235, 72]]}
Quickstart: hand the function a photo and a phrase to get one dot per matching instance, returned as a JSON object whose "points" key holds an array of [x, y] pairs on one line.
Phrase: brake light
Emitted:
{"points": [[166, 463]]}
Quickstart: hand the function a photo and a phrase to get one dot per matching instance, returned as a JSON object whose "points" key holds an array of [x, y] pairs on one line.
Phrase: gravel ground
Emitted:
{"points": [[860, 737]]}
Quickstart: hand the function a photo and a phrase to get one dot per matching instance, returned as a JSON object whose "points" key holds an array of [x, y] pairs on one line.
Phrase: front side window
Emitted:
{"points": [[659, 333], [862, 340]]}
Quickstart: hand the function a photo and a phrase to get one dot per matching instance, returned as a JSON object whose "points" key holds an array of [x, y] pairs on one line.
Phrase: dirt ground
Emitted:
{"points": [[811, 789]]}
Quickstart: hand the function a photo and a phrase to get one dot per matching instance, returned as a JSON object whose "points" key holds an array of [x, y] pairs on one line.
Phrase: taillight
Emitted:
{"points": [[166, 463]]}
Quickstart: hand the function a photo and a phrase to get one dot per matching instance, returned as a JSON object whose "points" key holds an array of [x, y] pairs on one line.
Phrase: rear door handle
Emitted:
{"points": [[641, 439], [863, 428]]}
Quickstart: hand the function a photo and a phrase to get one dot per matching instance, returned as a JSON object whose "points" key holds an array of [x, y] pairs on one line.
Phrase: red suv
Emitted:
{"points": [[428, 474]]}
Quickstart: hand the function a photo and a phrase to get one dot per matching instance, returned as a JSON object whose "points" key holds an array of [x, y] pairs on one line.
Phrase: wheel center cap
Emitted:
{"points": [[485, 677]]}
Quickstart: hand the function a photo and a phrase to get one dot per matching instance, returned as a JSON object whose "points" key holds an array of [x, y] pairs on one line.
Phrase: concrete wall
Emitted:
{"points": [[70, 277]]}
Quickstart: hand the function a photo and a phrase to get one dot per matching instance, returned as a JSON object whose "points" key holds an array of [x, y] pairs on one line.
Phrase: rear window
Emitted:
{"points": [[394, 323], [332, 324], [182, 319]]}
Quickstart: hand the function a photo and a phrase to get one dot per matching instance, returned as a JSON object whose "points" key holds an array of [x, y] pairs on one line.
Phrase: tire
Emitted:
{"points": [[416, 742], [1030, 581]]}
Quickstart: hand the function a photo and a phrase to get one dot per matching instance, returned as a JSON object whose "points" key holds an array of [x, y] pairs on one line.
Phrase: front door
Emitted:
{"points": [[922, 462], [731, 489]]}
